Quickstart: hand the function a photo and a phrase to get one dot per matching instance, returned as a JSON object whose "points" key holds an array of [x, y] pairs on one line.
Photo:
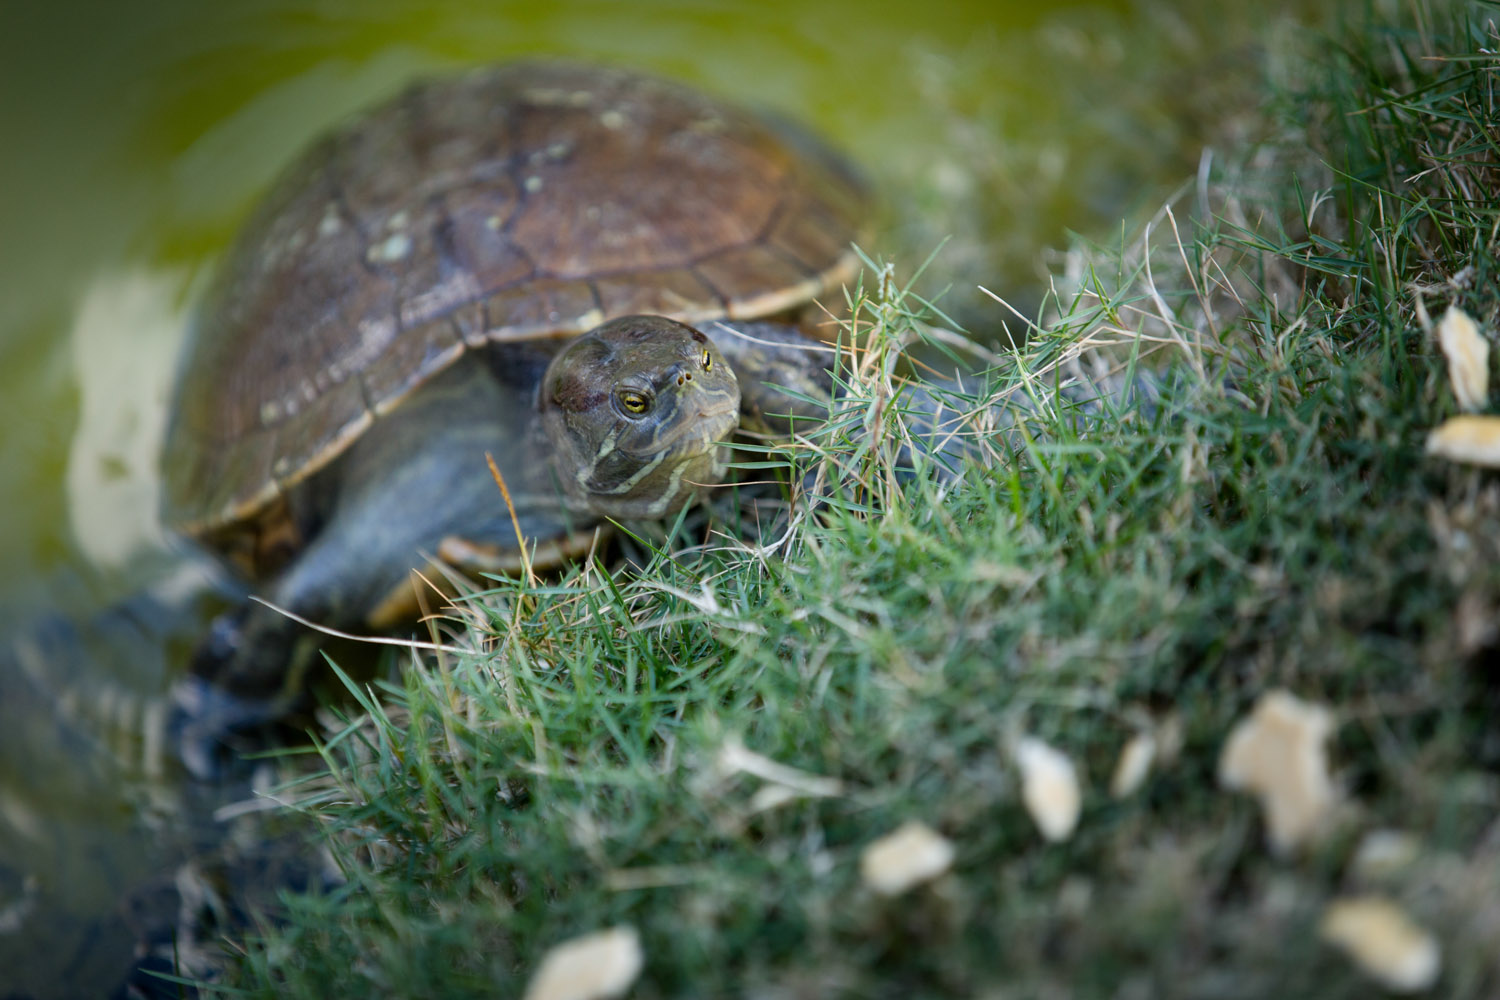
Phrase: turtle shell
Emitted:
{"points": [[527, 201]]}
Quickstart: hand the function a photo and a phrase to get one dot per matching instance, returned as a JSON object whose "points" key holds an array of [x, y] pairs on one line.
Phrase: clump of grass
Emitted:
{"points": [[1272, 522]]}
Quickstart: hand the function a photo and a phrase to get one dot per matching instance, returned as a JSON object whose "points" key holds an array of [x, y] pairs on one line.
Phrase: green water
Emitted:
{"points": [[137, 135]]}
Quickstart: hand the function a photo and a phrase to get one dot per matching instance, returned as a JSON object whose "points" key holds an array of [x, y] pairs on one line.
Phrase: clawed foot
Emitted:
{"points": [[244, 677], [212, 729]]}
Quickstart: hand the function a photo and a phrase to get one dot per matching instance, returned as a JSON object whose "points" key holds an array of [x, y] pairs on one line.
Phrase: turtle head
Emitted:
{"points": [[637, 412]]}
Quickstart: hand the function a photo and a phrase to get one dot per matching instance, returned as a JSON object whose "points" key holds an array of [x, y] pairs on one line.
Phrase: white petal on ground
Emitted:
{"points": [[1277, 754], [592, 967], [1049, 787], [1470, 439], [909, 856], [1468, 356], [1134, 764], [1383, 941]]}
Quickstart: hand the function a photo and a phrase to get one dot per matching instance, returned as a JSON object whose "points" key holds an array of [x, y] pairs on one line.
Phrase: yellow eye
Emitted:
{"points": [[633, 402], [708, 362]]}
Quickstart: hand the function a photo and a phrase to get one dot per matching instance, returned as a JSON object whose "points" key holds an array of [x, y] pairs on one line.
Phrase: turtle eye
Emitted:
{"points": [[708, 362], [632, 402]]}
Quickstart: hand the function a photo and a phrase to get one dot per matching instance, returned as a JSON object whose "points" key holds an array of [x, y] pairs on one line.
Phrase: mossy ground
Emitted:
{"points": [[1277, 524]]}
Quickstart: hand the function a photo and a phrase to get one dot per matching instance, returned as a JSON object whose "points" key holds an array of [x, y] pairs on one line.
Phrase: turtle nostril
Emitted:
{"points": [[680, 373]]}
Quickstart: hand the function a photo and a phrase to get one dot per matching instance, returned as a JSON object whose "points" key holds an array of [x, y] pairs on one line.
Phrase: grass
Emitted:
{"points": [[1275, 523]]}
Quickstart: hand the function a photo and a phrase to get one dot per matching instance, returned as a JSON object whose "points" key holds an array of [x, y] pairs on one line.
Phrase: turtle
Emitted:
{"points": [[589, 275]]}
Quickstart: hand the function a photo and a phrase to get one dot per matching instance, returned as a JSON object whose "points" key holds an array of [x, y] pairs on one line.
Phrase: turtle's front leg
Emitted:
{"points": [[787, 386], [786, 378], [246, 673], [786, 383]]}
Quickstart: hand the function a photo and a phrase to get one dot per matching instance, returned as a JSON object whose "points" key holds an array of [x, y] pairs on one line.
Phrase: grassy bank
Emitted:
{"points": [[620, 755]]}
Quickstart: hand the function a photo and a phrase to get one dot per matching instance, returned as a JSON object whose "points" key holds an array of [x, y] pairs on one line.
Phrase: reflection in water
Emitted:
{"points": [[90, 814], [113, 483], [94, 825], [109, 861]]}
